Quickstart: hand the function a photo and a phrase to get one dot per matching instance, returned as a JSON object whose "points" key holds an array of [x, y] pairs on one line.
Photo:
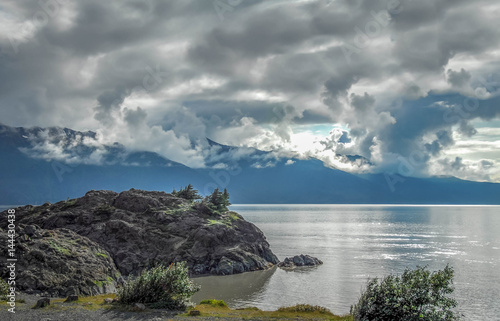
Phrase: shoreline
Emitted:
{"points": [[94, 308]]}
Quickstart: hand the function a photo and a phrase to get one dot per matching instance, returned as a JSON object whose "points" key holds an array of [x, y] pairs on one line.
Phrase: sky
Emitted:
{"points": [[412, 87]]}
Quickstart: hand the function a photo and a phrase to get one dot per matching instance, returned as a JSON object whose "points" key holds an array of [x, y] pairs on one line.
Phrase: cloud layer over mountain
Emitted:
{"points": [[410, 86]]}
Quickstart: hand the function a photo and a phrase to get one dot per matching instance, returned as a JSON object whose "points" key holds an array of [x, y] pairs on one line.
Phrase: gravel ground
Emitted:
{"points": [[67, 312]]}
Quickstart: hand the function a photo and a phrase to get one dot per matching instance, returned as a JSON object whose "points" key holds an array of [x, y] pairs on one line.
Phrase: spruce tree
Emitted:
{"points": [[225, 198], [188, 193]]}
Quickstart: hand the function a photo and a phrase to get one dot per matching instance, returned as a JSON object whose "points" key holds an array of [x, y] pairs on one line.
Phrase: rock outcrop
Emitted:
{"points": [[298, 261], [60, 263], [105, 232]]}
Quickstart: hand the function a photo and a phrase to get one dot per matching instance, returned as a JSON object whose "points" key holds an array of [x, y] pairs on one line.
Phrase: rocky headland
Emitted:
{"points": [[87, 245]]}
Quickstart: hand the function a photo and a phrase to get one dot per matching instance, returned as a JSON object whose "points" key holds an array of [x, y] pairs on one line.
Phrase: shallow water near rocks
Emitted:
{"points": [[356, 242]]}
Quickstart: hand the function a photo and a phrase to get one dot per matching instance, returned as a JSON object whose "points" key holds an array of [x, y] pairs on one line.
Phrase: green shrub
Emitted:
{"points": [[68, 203], [415, 295], [160, 287], [104, 209], [214, 303], [4, 289], [304, 308]]}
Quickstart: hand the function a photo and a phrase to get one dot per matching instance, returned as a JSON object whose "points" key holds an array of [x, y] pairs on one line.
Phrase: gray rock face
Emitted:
{"points": [[134, 230], [299, 260], [60, 263]]}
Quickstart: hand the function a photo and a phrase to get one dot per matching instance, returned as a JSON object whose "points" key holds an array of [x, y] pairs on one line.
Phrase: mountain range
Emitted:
{"points": [[31, 173]]}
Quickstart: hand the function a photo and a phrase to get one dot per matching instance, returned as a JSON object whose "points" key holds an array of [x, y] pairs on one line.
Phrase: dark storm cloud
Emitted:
{"points": [[431, 116], [313, 117], [362, 103], [109, 101], [444, 139], [135, 117], [467, 129], [413, 122], [411, 78], [429, 32], [228, 111], [458, 78]]}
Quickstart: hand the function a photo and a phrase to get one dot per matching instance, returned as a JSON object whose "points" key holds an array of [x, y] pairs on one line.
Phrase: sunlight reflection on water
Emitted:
{"points": [[357, 242]]}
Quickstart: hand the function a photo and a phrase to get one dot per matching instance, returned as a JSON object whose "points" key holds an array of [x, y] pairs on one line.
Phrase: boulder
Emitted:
{"points": [[72, 298], [42, 303], [298, 261], [194, 313]]}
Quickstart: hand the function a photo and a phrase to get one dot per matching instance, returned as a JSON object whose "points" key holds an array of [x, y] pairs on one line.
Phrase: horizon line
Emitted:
{"points": [[376, 205]]}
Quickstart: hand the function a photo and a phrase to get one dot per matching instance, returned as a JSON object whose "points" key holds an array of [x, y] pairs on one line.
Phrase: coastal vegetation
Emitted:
{"points": [[416, 295], [214, 303], [219, 310], [4, 289], [160, 287], [187, 193], [213, 204]]}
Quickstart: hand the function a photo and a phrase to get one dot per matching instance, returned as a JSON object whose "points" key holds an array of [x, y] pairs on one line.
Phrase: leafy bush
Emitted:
{"points": [[214, 303], [4, 289], [160, 287], [415, 295], [304, 308]]}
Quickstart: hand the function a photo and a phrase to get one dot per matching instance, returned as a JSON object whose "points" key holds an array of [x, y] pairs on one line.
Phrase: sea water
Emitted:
{"points": [[357, 242]]}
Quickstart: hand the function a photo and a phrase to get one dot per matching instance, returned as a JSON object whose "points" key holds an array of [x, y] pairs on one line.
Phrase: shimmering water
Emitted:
{"points": [[358, 242]]}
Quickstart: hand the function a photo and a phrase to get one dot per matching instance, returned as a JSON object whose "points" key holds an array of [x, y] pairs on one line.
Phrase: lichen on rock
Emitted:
{"points": [[60, 263]]}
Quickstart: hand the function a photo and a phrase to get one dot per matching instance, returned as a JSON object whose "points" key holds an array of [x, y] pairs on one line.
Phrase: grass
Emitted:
{"points": [[58, 247], [104, 255], [208, 308], [233, 216], [217, 222], [305, 308], [5, 302], [218, 309], [68, 204], [91, 303], [104, 209], [109, 280], [214, 303], [227, 220]]}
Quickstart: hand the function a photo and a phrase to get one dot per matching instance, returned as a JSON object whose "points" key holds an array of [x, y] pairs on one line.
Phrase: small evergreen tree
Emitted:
{"points": [[215, 197], [188, 193], [219, 200], [225, 198], [215, 203]]}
